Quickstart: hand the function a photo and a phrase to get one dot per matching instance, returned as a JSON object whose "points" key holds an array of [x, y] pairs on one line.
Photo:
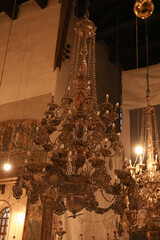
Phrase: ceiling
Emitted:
{"points": [[11, 7], [116, 25]]}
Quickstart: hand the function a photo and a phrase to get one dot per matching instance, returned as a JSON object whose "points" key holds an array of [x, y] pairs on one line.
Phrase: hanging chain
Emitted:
{"points": [[147, 62], [137, 43], [138, 124], [9, 34], [87, 5], [117, 53]]}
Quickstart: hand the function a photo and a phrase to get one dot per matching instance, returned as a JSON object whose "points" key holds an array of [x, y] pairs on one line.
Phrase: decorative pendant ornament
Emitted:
{"points": [[143, 8]]}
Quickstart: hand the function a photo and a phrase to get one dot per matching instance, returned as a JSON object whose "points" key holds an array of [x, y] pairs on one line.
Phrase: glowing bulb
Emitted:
{"points": [[139, 150], [88, 88], [7, 166], [130, 162], [53, 96], [69, 112], [68, 89], [107, 97], [150, 165], [98, 114], [20, 218], [156, 157]]}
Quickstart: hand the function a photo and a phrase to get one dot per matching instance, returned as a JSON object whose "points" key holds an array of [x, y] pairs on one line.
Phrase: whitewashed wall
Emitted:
{"points": [[28, 71], [28, 79], [17, 212]]}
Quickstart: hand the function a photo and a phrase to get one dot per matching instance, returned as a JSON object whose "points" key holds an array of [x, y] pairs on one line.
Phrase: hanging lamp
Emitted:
{"points": [[80, 136], [141, 180]]}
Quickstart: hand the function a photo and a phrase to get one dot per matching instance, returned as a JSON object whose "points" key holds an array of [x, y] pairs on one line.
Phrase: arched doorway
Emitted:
{"points": [[4, 219]]}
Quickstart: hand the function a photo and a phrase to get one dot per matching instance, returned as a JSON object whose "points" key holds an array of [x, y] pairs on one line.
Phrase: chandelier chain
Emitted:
{"points": [[147, 62], [8, 40]]}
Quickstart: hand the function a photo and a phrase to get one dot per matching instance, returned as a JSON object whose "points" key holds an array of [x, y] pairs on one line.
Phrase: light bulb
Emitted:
{"points": [[150, 166], [7, 166], [139, 150], [141, 160]]}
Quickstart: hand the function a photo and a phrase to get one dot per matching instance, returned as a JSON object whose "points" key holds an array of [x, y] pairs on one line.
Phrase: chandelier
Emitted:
{"points": [[80, 137], [141, 212], [141, 180]]}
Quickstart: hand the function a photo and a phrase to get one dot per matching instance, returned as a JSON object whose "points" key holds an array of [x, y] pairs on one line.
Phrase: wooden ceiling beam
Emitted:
{"points": [[100, 4], [113, 13], [42, 3], [64, 20], [80, 8], [126, 53], [122, 39], [107, 32], [8, 8]]}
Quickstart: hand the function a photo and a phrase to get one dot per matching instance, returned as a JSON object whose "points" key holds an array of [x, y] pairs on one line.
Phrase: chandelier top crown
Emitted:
{"points": [[85, 27]]}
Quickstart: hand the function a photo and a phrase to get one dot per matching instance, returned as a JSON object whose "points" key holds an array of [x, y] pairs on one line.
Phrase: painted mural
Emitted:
{"points": [[33, 222], [39, 221], [15, 139]]}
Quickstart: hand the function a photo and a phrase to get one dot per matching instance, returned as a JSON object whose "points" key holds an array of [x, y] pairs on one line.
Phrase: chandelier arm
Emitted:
{"points": [[99, 210], [114, 154], [59, 130], [57, 138], [106, 198]]}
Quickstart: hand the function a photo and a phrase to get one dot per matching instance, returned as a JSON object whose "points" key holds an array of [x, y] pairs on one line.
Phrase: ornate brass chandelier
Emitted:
{"points": [[141, 181], [80, 136]]}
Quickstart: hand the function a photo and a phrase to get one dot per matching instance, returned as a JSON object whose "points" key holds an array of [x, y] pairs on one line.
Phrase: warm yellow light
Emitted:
{"points": [[150, 166], [20, 218], [139, 150], [7, 166]]}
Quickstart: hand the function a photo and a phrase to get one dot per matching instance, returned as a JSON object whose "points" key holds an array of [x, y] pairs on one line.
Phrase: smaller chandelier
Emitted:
{"points": [[141, 180], [80, 137]]}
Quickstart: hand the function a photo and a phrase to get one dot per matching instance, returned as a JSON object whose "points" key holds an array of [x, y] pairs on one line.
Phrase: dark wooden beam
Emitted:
{"points": [[112, 14], [9, 176], [128, 52], [64, 20], [80, 8], [100, 4], [122, 39], [106, 32], [42, 3], [8, 8]]}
